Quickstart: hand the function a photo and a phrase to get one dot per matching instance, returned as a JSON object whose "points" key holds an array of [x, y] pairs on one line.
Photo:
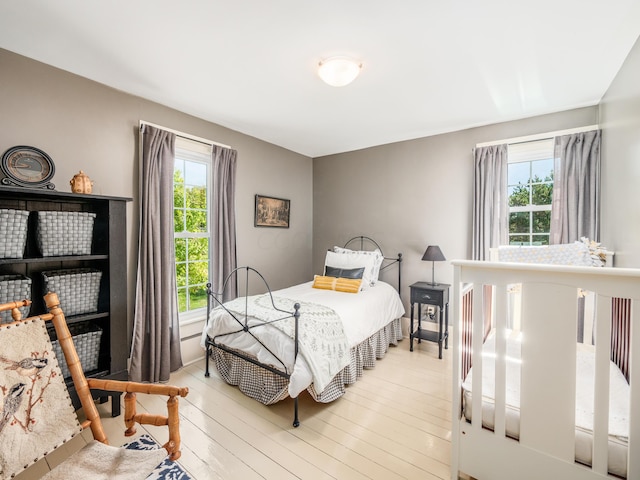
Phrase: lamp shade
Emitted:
{"points": [[338, 71], [433, 254]]}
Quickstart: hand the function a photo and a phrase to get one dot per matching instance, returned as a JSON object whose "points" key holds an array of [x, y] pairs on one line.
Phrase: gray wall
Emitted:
{"points": [[84, 125], [406, 195], [411, 194], [620, 121]]}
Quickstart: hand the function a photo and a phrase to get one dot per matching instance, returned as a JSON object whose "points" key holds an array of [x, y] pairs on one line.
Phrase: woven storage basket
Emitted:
{"points": [[65, 233], [86, 338], [78, 289], [12, 288], [13, 232]]}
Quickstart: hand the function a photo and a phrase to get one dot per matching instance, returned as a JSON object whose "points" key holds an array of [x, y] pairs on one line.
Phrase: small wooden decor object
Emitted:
{"points": [[81, 183]]}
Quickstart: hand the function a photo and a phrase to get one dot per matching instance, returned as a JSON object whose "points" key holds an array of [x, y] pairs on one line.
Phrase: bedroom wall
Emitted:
{"points": [[620, 121], [84, 125], [411, 194]]}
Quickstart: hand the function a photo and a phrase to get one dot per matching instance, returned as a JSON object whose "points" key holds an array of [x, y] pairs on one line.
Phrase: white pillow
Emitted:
{"points": [[340, 260], [376, 254]]}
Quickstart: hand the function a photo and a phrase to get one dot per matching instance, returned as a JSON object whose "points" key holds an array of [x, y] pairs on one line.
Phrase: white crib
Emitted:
{"points": [[549, 434]]}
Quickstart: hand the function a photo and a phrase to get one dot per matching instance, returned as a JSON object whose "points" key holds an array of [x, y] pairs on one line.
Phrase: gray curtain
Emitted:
{"points": [[490, 207], [155, 351], [576, 188], [223, 215]]}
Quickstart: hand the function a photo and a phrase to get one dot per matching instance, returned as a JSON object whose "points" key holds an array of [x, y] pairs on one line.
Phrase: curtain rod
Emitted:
{"points": [[185, 135], [539, 136]]}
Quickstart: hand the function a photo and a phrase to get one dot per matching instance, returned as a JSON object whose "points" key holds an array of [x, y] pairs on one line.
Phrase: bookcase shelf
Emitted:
{"points": [[108, 254]]}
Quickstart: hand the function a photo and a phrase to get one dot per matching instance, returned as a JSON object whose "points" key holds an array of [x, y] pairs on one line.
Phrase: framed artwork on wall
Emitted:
{"points": [[271, 212]]}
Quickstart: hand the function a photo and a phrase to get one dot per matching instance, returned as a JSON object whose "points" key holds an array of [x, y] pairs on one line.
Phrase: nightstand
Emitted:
{"points": [[438, 296]]}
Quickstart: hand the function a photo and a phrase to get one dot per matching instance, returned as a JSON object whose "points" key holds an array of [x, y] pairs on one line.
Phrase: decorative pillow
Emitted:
{"points": [[340, 260], [347, 285], [343, 272], [376, 254]]}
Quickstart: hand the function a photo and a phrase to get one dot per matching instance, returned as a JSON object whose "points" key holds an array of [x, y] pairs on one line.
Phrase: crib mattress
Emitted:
{"points": [[585, 365]]}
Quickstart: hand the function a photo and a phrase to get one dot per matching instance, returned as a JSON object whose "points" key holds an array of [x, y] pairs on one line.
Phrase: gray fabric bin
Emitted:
{"points": [[12, 288], [13, 232], [86, 338], [65, 233], [78, 289]]}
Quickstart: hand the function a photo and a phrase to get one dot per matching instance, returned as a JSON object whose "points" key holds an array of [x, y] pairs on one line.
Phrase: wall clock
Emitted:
{"points": [[27, 167]]}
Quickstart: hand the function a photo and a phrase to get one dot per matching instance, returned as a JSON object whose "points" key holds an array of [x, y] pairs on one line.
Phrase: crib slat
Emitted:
{"points": [[500, 360], [633, 469], [548, 391], [477, 336], [601, 398]]}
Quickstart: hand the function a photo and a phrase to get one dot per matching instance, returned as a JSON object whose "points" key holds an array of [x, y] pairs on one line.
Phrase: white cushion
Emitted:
{"points": [[98, 461]]}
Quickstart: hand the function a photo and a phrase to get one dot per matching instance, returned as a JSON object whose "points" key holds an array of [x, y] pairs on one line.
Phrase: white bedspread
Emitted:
{"points": [[362, 315]]}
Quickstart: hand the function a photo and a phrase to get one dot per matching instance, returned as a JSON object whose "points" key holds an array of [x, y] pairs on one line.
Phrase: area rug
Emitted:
{"points": [[167, 470]]}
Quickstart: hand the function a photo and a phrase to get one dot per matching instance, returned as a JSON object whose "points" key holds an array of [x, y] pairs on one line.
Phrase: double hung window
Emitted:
{"points": [[530, 189], [192, 233]]}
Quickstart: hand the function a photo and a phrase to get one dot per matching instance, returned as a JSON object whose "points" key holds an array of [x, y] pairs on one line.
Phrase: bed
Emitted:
{"points": [[552, 406], [316, 336]]}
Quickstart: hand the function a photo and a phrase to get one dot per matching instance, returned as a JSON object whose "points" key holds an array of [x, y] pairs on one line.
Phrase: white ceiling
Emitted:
{"points": [[428, 66]]}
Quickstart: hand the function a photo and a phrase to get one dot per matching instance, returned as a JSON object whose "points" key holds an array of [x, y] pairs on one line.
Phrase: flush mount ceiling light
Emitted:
{"points": [[339, 71]]}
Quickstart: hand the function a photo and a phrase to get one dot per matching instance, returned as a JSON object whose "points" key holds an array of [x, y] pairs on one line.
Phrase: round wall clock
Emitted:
{"points": [[27, 167]]}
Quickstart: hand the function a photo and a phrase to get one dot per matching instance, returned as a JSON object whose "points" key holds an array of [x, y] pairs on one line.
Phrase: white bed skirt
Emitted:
{"points": [[268, 388]]}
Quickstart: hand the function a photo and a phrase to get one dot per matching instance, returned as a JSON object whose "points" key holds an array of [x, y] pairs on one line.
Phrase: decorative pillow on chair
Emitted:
{"points": [[37, 414]]}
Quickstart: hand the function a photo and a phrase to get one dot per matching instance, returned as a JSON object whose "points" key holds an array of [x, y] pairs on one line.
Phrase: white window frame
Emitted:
{"points": [[528, 152], [194, 151]]}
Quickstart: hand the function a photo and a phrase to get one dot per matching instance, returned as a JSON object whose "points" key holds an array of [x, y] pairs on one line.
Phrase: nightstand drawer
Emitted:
{"points": [[432, 297]]}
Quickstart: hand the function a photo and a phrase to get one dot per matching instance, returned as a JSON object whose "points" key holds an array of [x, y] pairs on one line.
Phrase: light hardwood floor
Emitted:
{"points": [[395, 423]]}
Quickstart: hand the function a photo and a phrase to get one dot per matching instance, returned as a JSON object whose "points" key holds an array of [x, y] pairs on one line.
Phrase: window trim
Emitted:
{"points": [[529, 152], [197, 154]]}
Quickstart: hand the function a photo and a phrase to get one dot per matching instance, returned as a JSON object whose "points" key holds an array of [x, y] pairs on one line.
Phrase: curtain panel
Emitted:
{"points": [[490, 205], [576, 188], [223, 218], [155, 351]]}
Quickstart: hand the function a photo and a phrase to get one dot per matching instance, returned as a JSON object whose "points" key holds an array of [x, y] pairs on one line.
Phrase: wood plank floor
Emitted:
{"points": [[395, 423]]}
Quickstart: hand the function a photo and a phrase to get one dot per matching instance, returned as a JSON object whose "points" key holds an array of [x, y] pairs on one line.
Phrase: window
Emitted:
{"points": [[191, 190], [530, 188]]}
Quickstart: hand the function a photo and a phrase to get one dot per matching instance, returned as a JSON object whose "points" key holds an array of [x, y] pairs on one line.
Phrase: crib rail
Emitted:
{"points": [[546, 444]]}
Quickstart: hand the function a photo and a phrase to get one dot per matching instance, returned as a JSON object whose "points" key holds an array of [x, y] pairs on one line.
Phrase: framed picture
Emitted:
{"points": [[272, 212]]}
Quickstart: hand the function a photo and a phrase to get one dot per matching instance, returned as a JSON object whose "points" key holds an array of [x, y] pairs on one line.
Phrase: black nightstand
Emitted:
{"points": [[436, 295]]}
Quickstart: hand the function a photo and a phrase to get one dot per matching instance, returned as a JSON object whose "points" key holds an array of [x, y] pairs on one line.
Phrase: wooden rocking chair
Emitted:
{"points": [[36, 406]]}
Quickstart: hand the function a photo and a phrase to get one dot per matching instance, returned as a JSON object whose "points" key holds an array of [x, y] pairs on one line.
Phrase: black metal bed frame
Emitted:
{"points": [[215, 299], [211, 343]]}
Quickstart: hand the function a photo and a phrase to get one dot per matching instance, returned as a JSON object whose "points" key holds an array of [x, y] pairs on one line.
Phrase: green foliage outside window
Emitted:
{"points": [[525, 224], [191, 243]]}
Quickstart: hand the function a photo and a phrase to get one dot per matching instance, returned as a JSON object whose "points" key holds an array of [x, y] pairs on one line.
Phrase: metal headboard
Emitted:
{"points": [[362, 240]]}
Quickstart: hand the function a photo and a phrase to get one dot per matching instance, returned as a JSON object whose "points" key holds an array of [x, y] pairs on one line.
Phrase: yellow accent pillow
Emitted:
{"points": [[348, 285]]}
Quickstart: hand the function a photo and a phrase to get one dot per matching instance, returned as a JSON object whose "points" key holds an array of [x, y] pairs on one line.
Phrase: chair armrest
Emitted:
{"points": [[135, 387], [131, 417]]}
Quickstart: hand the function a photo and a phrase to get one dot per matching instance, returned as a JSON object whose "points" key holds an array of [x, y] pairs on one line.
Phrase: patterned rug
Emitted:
{"points": [[167, 470]]}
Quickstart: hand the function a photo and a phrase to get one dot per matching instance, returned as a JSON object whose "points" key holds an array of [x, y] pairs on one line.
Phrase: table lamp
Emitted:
{"points": [[433, 254]]}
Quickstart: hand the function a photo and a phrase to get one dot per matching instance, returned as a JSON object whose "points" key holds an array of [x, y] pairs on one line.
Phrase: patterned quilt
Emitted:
{"points": [[322, 340]]}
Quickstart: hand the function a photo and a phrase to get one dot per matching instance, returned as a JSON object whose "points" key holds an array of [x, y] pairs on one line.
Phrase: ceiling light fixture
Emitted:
{"points": [[339, 71]]}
